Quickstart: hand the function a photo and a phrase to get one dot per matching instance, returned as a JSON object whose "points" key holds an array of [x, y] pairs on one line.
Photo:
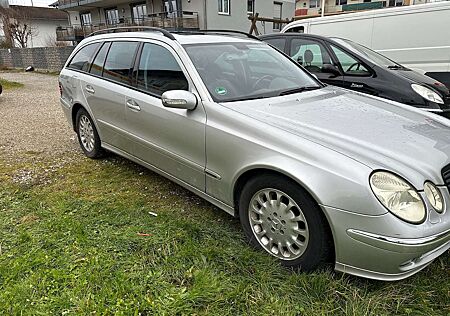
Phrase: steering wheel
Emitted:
{"points": [[258, 82], [356, 65]]}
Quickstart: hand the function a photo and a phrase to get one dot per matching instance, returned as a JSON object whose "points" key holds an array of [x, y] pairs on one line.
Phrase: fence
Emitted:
{"points": [[43, 58]]}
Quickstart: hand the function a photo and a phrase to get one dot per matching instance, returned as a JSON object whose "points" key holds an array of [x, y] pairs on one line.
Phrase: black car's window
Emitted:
{"points": [[119, 62], [350, 65], [82, 58], [277, 42], [159, 71], [243, 71], [310, 54], [372, 55], [97, 64]]}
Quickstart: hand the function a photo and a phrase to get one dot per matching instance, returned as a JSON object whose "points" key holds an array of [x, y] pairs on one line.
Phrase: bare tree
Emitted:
{"points": [[50, 41], [16, 26]]}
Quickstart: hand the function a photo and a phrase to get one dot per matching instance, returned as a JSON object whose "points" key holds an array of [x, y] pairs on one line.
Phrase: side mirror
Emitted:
{"points": [[179, 99], [331, 69]]}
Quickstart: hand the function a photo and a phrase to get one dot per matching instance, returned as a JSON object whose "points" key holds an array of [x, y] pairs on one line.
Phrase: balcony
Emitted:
{"points": [[176, 21]]}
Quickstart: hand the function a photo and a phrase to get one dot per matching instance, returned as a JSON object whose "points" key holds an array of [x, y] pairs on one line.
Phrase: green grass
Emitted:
{"points": [[70, 244], [10, 84]]}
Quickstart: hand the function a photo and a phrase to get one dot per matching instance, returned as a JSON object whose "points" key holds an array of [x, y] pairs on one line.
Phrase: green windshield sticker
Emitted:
{"points": [[221, 91]]}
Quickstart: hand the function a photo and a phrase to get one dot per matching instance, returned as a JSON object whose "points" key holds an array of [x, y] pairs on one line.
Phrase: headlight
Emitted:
{"points": [[398, 196], [434, 196], [427, 93]]}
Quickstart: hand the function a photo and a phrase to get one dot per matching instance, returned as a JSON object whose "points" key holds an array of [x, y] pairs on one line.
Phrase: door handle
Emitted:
{"points": [[131, 104], [90, 89]]}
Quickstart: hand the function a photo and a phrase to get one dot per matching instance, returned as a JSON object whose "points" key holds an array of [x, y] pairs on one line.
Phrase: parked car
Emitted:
{"points": [[315, 173], [408, 34], [344, 63]]}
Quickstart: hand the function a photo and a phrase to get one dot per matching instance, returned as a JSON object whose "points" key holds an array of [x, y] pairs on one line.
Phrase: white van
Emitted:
{"points": [[416, 36]]}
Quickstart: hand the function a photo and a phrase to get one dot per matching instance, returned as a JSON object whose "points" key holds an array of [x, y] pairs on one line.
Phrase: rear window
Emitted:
{"points": [[119, 62], [81, 60]]}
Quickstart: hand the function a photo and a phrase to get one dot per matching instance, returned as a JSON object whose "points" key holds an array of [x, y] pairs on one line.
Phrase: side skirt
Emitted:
{"points": [[225, 207]]}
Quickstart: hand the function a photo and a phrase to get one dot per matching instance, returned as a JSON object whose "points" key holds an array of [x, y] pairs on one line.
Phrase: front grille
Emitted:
{"points": [[446, 176]]}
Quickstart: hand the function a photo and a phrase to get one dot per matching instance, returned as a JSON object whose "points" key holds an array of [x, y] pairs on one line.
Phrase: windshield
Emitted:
{"points": [[372, 55], [244, 71]]}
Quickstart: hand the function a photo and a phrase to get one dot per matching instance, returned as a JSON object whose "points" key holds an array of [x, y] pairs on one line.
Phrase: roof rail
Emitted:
{"points": [[218, 32], [133, 28]]}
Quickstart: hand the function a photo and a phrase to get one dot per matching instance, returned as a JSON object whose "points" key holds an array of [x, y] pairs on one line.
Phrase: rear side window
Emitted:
{"points": [[119, 62], [97, 65], [277, 43], [82, 59], [159, 71]]}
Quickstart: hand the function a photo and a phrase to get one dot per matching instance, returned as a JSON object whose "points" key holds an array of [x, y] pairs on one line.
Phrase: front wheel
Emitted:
{"points": [[279, 217], [87, 135]]}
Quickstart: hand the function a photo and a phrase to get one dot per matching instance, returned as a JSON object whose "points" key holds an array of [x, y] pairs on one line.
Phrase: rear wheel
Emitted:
{"points": [[87, 135], [281, 218]]}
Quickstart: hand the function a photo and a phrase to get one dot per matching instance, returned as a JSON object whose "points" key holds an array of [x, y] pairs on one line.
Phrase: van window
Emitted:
{"points": [[159, 71], [81, 60], [97, 65], [310, 54], [350, 65], [119, 62]]}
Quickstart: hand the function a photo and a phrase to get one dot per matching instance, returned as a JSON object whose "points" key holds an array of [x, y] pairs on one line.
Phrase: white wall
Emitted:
{"points": [[45, 32]]}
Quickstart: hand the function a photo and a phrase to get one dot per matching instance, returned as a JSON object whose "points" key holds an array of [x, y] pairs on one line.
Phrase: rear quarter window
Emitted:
{"points": [[82, 59]]}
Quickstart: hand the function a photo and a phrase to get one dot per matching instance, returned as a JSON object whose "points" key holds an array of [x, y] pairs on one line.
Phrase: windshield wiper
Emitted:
{"points": [[298, 90]]}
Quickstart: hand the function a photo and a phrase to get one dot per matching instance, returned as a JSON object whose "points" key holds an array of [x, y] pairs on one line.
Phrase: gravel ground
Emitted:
{"points": [[31, 118]]}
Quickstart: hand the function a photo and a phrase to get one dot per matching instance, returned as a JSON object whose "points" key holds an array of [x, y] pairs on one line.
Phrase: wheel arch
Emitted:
{"points": [[75, 108], [258, 171]]}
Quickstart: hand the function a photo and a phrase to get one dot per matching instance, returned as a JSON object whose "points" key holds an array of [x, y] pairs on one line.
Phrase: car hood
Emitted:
{"points": [[376, 132], [423, 79]]}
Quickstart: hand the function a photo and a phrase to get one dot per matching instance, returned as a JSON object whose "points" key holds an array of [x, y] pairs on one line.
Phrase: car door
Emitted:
{"points": [[107, 88], [172, 140], [357, 75], [313, 55]]}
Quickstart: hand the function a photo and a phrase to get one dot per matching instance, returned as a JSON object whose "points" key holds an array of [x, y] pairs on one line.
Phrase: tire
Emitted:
{"points": [[87, 135], [302, 229]]}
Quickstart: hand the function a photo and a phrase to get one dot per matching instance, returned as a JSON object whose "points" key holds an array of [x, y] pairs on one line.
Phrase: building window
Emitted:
{"points": [[341, 2], [86, 18], [314, 3], [224, 6], [277, 14], [395, 3], [139, 13], [251, 7], [112, 16]]}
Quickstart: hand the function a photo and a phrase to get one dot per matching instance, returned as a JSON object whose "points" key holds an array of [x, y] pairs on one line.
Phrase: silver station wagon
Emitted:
{"points": [[316, 174]]}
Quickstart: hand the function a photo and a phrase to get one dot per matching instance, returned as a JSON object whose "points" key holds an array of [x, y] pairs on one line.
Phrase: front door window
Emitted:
{"points": [[350, 65], [310, 54]]}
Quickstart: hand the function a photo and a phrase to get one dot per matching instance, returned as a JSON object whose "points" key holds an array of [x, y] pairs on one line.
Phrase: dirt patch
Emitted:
{"points": [[31, 118]]}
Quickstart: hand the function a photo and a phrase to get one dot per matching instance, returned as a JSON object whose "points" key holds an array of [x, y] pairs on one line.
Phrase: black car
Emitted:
{"points": [[344, 63]]}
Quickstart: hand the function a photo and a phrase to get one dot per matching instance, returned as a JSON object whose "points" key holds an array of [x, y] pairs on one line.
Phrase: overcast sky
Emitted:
{"points": [[36, 3]]}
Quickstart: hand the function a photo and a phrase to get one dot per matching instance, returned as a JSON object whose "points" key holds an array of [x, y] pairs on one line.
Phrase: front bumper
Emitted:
{"points": [[361, 252]]}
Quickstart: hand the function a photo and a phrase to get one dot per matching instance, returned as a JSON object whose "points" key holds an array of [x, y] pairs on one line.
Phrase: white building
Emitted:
{"points": [[87, 16], [43, 22]]}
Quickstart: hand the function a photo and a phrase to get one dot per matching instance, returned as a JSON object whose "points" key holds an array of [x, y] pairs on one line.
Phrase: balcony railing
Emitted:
{"points": [[179, 20]]}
